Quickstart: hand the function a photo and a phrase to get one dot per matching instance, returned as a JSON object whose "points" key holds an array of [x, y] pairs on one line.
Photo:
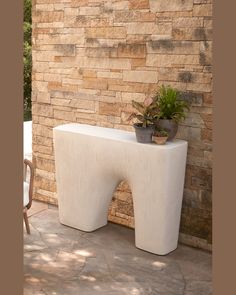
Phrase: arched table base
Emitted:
{"points": [[91, 162]]}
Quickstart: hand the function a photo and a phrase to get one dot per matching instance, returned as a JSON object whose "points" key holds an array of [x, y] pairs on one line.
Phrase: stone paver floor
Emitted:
{"points": [[59, 260]]}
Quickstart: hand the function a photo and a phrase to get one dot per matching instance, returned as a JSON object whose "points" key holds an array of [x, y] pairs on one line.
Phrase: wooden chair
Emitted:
{"points": [[28, 192]]}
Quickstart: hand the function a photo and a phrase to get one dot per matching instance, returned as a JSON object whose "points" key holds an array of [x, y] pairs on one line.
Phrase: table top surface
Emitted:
{"points": [[111, 133]]}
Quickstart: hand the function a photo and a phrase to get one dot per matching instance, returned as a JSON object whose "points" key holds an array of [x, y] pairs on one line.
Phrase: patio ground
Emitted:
{"points": [[59, 260]]}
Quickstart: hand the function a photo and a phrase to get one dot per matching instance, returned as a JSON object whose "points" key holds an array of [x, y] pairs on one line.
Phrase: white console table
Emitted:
{"points": [[91, 161]]}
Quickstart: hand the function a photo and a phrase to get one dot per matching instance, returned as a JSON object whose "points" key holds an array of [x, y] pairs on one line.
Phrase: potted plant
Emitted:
{"points": [[171, 110], [147, 113], [160, 136]]}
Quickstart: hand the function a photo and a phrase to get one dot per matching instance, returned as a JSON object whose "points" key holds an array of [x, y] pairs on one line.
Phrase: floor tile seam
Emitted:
{"points": [[38, 212]]}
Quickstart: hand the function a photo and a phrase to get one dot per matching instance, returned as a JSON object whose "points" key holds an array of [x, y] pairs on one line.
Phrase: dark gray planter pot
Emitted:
{"points": [[143, 135], [170, 126]]}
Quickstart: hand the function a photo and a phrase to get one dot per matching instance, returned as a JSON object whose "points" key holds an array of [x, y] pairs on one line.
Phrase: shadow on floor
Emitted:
{"points": [[59, 260]]}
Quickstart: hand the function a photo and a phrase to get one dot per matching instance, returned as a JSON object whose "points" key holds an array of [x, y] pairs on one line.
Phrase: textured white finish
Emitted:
{"points": [[28, 140], [91, 161], [26, 194]]}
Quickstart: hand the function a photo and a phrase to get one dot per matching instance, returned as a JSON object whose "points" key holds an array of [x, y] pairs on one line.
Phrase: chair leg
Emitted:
{"points": [[26, 222]]}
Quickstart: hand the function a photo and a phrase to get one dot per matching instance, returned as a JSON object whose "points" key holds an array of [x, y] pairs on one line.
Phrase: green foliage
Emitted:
{"points": [[161, 133], [170, 105], [27, 59], [27, 11], [147, 112]]}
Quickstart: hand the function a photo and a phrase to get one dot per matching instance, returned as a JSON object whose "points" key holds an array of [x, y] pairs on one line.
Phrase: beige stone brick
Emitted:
{"points": [[207, 99], [37, 76], [61, 94], [103, 42], [54, 85], [112, 109], [86, 116], [193, 120], [208, 23], [165, 74], [37, 139], [63, 87], [48, 16], [137, 62], [108, 93], [101, 52], [105, 63], [45, 56], [40, 86], [139, 28], [131, 87], [89, 73], [162, 60], [110, 75], [196, 34], [121, 215], [191, 134], [42, 130], [71, 11], [199, 87], [45, 156], [206, 53], [59, 24], [45, 184], [69, 31], [175, 5], [61, 39], [45, 164], [59, 6], [202, 10], [107, 98], [133, 16], [89, 10], [42, 31], [116, 5], [167, 46], [189, 22], [73, 82], [132, 50], [44, 110], [105, 124], [202, 78], [60, 114], [45, 174], [92, 83], [140, 76], [65, 49], [43, 97], [127, 97], [83, 104], [40, 66], [107, 32], [139, 4], [44, 7], [48, 195], [181, 86], [60, 102], [64, 71], [82, 21], [52, 77], [42, 149], [206, 134], [118, 220]]}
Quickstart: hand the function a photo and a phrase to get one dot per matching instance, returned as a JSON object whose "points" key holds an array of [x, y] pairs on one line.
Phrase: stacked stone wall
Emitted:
{"points": [[91, 58]]}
